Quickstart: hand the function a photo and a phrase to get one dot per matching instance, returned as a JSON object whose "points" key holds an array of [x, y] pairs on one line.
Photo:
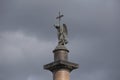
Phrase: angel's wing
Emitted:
{"points": [[65, 29]]}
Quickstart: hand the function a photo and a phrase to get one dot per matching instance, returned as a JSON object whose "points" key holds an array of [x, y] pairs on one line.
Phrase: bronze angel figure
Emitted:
{"points": [[62, 34]]}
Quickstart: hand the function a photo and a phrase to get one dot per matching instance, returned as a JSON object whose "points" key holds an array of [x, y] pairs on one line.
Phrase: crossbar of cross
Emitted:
{"points": [[59, 17]]}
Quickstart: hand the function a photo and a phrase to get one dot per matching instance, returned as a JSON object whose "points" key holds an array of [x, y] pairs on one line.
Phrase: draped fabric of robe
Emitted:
{"points": [[62, 34]]}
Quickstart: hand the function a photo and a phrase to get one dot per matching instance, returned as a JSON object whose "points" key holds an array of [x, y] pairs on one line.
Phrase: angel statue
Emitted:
{"points": [[62, 34]]}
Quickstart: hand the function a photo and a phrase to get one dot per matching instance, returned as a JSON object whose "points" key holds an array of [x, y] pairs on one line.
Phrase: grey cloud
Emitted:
{"points": [[93, 38]]}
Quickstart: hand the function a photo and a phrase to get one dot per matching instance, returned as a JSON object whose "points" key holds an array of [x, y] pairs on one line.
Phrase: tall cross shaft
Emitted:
{"points": [[59, 17]]}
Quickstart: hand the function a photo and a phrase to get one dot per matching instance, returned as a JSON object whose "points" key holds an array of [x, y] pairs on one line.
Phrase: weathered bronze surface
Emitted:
{"points": [[62, 31], [62, 34]]}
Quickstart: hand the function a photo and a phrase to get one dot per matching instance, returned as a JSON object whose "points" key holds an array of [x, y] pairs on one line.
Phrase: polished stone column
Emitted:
{"points": [[61, 74]]}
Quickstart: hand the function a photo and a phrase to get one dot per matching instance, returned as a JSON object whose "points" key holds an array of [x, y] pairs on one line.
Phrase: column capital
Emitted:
{"points": [[57, 65]]}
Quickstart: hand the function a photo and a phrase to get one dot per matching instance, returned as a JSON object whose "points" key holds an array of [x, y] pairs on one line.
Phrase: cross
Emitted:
{"points": [[59, 17]]}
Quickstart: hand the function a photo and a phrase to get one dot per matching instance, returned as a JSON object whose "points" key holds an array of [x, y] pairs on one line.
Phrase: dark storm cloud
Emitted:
{"points": [[93, 38]]}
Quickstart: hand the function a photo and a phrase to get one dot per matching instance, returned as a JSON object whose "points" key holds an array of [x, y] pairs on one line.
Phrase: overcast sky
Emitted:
{"points": [[27, 38]]}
